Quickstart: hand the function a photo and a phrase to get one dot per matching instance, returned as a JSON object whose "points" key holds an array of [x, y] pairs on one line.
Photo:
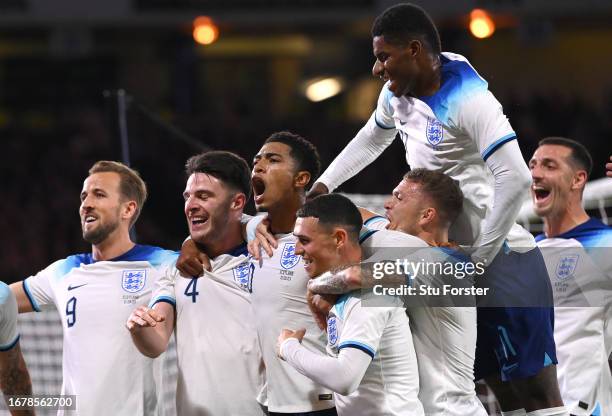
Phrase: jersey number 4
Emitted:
{"points": [[191, 289], [71, 311]]}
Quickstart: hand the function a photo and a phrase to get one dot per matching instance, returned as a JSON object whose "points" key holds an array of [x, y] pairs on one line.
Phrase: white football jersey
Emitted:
{"points": [[101, 365], [444, 337], [580, 269], [279, 300], [390, 385], [8, 318], [220, 367], [455, 131]]}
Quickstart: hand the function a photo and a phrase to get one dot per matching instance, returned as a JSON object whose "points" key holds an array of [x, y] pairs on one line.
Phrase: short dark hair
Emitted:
{"points": [[580, 156], [131, 185], [403, 22], [334, 210], [302, 151], [443, 191], [226, 166]]}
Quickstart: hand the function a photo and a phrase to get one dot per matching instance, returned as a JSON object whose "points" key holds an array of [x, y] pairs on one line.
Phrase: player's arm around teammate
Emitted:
{"points": [[14, 376]]}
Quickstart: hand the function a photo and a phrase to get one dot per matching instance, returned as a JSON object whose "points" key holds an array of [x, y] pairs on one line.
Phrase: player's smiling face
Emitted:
{"points": [[207, 208], [317, 246], [553, 178], [273, 175], [101, 206], [404, 207], [396, 64]]}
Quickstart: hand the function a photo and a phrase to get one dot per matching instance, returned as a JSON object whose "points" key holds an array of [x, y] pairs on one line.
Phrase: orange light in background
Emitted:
{"points": [[481, 24], [205, 31]]}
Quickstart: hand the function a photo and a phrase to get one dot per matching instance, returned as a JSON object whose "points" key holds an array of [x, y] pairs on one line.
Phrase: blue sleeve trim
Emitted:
{"points": [[366, 235], [163, 299], [358, 345], [373, 219], [30, 297], [496, 145], [379, 124], [9, 346]]}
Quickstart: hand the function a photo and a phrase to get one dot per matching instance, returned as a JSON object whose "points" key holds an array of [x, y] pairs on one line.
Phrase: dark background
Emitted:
{"points": [[548, 63]]}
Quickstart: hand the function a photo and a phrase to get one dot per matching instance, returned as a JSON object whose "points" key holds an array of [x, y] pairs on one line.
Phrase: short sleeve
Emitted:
{"points": [[363, 327], [482, 118], [8, 318], [39, 288], [164, 287]]}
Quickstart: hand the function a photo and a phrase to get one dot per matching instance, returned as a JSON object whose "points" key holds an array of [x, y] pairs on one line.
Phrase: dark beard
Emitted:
{"points": [[101, 233]]}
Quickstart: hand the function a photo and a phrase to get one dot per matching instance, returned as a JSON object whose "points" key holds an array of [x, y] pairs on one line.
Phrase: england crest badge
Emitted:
{"points": [[243, 275], [332, 331], [567, 266], [133, 281], [434, 131], [288, 258]]}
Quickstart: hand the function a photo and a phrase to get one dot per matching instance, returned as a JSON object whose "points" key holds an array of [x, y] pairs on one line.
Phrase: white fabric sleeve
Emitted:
{"points": [[481, 117], [512, 181], [39, 288], [365, 147], [8, 318], [377, 222], [363, 327], [252, 224], [164, 287], [341, 375]]}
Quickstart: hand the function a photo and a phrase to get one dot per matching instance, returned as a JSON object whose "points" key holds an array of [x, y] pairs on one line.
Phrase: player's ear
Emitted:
{"points": [[414, 47], [340, 236], [238, 201], [580, 179], [129, 210], [428, 215], [301, 179]]}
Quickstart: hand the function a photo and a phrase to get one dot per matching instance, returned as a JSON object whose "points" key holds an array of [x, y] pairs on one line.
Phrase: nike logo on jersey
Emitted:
{"points": [[70, 287], [402, 122], [508, 368]]}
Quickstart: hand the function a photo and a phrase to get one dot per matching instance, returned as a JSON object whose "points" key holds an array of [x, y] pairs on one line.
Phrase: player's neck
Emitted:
{"points": [[434, 237], [559, 223], [116, 244], [224, 244], [282, 215], [431, 77]]}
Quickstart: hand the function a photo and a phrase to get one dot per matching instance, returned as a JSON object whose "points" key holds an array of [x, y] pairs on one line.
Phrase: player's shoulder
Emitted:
{"points": [[460, 83], [62, 267], [156, 256], [389, 238], [345, 303], [459, 74], [592, 233]]}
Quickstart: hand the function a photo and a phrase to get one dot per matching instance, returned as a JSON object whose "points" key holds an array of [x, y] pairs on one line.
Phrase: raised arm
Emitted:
{"points": [[366, 146]]}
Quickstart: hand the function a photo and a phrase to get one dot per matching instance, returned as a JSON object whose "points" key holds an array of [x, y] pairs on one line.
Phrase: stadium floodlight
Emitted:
{"points": [[322, 88], [481, 24], [205, 31]]}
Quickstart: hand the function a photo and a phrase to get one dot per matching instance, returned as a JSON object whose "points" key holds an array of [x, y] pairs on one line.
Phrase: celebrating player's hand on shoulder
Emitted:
{"points": [[143, 317], [285, 335], [609, 168], [192, 262], [264, 239]]}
